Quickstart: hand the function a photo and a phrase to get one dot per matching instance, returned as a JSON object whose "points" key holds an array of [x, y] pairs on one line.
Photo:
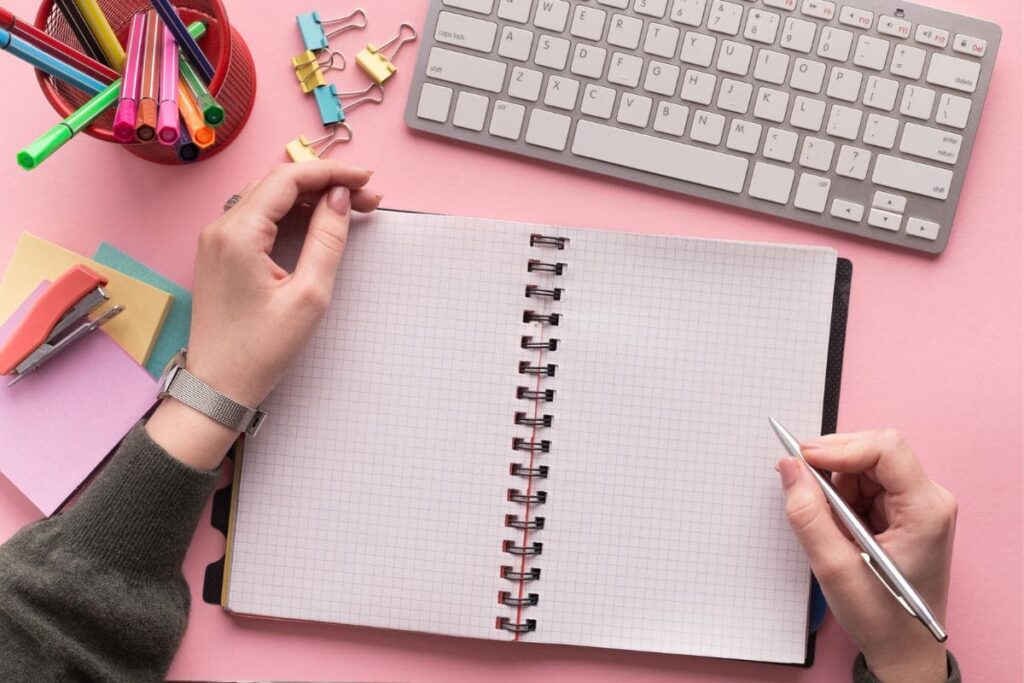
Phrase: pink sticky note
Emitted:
{"points": [[59, 422]]}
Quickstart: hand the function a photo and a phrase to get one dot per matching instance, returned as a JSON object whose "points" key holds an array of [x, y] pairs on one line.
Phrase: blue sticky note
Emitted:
{"points": [[327, 102], [313, 36], [174, 334]]}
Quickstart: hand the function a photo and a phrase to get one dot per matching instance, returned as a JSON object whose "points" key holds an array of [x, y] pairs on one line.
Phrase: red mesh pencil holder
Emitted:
{"points": [[234, 80]]}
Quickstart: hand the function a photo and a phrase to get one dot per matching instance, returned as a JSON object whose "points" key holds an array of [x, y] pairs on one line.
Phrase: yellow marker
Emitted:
{"points": [[301, 149], [378, 66], [100, 28]]}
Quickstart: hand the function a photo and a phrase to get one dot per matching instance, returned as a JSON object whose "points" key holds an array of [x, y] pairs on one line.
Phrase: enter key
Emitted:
{"points": [[931, 143]]}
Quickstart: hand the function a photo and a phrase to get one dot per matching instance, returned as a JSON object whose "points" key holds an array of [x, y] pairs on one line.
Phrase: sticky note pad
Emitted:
{"points": [[174, 335], [136, 329], [59, 422]]}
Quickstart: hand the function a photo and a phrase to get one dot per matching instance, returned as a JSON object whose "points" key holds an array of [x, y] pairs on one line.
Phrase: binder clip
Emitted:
{"points": [[301, 149], [309, 69], [332, 110], [378, 67], [55, 321], [311, 26]]}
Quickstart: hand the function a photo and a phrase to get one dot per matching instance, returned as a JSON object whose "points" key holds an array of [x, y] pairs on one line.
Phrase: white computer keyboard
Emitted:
{"points": [[856, 116]]}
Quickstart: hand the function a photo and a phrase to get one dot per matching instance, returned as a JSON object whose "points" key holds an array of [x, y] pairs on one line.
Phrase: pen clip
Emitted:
{"points": [[899, 598]]}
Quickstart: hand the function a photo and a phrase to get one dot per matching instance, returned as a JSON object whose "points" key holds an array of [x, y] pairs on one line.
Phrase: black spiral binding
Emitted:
{"points": [[537, 421]]}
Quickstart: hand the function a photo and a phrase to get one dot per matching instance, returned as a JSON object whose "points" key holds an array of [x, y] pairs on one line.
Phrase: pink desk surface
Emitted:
{"points": [[935, 345]]}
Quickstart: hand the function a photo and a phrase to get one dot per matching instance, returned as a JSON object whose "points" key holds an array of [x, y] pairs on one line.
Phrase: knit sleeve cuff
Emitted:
{"points": [[140, 512], [861, 673]]}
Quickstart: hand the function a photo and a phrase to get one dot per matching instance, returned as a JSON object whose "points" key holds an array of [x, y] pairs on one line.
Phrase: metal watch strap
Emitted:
{"points": [[193, 392]]}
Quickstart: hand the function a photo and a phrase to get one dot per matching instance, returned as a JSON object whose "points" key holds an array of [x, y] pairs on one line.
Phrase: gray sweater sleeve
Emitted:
{"points": [[97, 593], [861, 673]]}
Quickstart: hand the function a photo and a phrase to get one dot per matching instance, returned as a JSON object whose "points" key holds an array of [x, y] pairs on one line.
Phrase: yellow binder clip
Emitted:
{"points": [[301, 149], [309, 68], [378, 66]]}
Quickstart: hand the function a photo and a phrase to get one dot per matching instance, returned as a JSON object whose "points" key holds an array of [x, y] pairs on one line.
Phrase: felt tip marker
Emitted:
{"points": [[167, 127], [48, 63], [127, 107]]}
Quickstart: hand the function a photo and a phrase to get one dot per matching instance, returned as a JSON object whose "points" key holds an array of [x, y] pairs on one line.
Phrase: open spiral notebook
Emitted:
{"points": [[511, 431]]}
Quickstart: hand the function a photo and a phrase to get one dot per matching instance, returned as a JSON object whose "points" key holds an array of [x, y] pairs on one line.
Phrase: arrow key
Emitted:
{"points": [[890, 202], [884, 220], [847, 211]]}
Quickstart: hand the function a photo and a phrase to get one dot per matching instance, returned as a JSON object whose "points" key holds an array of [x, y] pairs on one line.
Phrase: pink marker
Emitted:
{"points": [[167, 126], [124, 119]]}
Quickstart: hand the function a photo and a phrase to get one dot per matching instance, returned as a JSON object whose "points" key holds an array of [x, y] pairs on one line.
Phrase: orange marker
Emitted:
{"points": [[145, 124], [202, 135]]}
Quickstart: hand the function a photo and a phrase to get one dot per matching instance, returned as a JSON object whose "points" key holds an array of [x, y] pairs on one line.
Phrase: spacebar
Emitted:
{"points": [[656, 155]]}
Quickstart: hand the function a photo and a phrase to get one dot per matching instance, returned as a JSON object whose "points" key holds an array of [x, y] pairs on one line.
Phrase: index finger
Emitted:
{"points": [[275, 195], [883, 454]]}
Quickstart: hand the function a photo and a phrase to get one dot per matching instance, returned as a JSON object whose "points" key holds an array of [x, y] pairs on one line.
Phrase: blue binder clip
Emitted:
{"points": [[332, 111], [315, 37]]}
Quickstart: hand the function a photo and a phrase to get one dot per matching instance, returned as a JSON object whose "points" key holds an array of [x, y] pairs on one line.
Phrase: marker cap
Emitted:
{"points": [[40, 150], [213, 113], [145, 129], [167, 127], [124, 121]]}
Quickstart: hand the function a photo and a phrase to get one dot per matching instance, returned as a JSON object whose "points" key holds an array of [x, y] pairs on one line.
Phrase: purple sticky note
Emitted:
{"points": [[59, 422]]}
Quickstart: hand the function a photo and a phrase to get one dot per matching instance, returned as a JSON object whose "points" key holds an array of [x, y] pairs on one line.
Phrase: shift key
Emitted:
{"points": [[467, 70], [910, 176]]}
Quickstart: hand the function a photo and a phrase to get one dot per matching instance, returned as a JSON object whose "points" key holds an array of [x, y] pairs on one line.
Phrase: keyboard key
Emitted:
{"points": [[625, 31], [478, 6], [663, 157], [891, 26], [467, 70], [698, 87], [597, 101], [771, 105], [617, 4], [634, 110], [780, 145], [507, 120], [650, 8], [744, 136], [470, 111], [881, 93], [661, 40], [847, 211], [817, 154], [885, 220], [725, 17], [771, 67], [798, 35], [561, 93], [707, 127], [588, 60], [954, 111], [812, 193], [771, 183], [662, 79], [625, 70], [670, 118], [762, 27], [889, 202], [435, 100], [918, 227], [698, 48], [953, 73], [931, 143], [551, 15], [856, 17], [552, 52], [688, 12], [908, 62], [788, 5], [871, 53], [819, 9], [853, 162], [976, 47], [734, 58], [807, 114], [917, 102], [807, 76], [734, 96], [911, 176], [844, 84], [514, 10], [515, 44], [880, 131], [844, 122], [588, 22], [466, 32], [929, 35], [548, 130], [525, 84], [835, 44]]}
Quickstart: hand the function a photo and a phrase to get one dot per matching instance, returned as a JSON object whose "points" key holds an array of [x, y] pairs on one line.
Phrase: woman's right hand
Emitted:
{"points": [[912, 517]]}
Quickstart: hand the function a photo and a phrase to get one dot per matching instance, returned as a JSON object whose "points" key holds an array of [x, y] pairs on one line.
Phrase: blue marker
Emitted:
{"points": [[186, 42], [48, 63], [328, 101]]}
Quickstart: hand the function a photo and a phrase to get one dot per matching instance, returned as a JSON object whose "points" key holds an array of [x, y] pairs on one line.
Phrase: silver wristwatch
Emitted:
{"points": [[186, 388]]}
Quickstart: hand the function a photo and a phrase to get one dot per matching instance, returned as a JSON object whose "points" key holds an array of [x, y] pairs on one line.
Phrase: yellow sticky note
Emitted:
{"points": [[145, 307]]}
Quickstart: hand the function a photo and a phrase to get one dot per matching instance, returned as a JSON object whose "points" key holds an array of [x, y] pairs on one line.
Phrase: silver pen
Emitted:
{"points": [[877, 559]]}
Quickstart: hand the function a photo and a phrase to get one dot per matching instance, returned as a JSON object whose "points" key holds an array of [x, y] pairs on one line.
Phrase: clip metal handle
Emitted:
{"points": [[398, 38], [375, 98], [358, 12]]}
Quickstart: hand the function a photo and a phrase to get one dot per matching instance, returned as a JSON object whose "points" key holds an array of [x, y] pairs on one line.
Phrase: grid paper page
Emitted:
{"points": [[666, 528], [374, 494]]}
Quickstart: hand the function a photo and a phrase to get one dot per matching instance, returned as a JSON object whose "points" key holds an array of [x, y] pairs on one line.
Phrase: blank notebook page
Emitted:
{"points": [[667, 530]]}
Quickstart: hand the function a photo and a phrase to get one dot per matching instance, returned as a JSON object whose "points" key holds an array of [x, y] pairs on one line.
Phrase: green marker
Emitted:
{"points": [[53, 139], [213, 113]]}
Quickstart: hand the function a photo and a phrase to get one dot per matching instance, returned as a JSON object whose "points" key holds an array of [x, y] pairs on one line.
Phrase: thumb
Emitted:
{"points": [[325, 239], [810, 516]]}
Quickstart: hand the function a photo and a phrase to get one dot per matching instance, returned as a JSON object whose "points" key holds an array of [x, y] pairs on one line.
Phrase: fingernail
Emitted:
{"points": [[368, 171], [380, 196], [789, 471], [340, 200], [811, 445]]}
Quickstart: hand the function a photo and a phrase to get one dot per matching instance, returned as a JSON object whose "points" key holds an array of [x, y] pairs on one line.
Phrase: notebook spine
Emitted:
{"points": [[531, 443]]}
